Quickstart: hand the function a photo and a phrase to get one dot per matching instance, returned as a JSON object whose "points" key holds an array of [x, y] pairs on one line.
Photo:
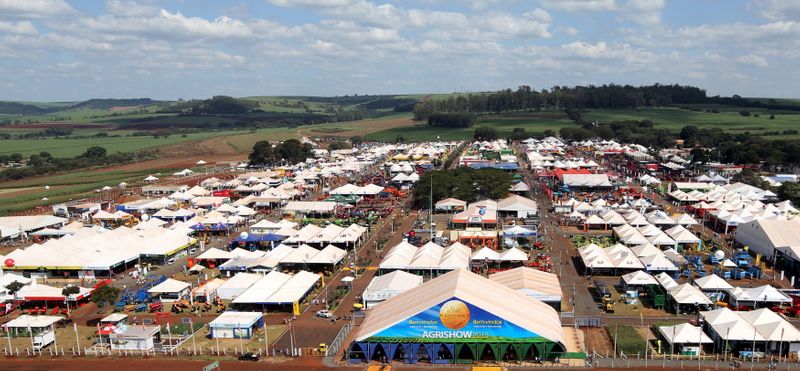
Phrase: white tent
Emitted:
{"points": [[389, 285], [755, 295], [639, 278], [666, 281], [236, 285], [682, 235], [712, 282], [485, 253], [513, 254], [686, 220], [684, 333], [689, 295], [658, 262]]}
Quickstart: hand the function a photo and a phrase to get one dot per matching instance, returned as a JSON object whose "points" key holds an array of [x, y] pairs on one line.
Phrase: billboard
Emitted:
{"points": [[454, 320]]}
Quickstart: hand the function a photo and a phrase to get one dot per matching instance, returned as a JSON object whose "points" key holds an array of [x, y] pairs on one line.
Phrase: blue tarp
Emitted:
{"points": [[496, 165], [209, 227], [259, 238]]}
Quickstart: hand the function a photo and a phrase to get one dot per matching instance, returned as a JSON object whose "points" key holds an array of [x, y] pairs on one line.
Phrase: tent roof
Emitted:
{"points": [[666, 280], [261, 290], [684, 334], [712, 282], [514, 254], [639, 278], [215, 253], [530, 279], [232, 318], [169, 286], [473, 289], [688, 294], [485, 253], [383, 287], [26, 321], [762, 293], [658, 262], [730, 325]]}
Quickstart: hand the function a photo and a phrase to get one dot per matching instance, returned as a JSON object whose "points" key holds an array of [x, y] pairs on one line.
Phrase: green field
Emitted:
{"points": [[63, 187], [532, 122], [674, 119], [70, 147]]}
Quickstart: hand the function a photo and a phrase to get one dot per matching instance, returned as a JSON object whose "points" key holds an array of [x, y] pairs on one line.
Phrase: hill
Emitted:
{"points": [[111, 103]]}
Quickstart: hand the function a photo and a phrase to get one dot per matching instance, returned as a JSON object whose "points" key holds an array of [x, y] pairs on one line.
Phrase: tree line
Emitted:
{"points": [[43, 163], [583, 97]]}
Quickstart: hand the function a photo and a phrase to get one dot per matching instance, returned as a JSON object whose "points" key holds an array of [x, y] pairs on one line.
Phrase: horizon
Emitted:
{"points": [[73, 50]]}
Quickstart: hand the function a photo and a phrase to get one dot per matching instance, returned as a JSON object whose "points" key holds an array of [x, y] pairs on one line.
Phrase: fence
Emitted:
{"points": [[338, 341], [582, 321]]}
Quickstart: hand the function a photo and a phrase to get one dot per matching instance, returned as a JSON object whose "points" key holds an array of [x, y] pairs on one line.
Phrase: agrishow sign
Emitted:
{"points": [[455, 321]]}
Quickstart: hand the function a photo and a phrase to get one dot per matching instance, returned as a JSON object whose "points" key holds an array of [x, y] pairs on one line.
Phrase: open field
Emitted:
{"points": [[28, 193], [71, 147], [674, 118], [532, 122], [175, 154]]}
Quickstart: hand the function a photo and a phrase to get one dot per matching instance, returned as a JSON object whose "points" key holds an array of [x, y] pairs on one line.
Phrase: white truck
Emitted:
{"points": [[43, 339]]}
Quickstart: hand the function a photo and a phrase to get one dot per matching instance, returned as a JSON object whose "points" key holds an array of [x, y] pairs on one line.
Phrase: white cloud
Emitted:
{"points": [[571, 31], [643, 12], [19, 28], [169, 26], [125, 8], [539, 15], [580, 5], [778, 9], [753, 60], [34, 9], [312, 3]]}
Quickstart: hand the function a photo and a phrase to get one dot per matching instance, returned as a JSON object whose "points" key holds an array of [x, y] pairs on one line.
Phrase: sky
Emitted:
{"points": [[66, 50]]}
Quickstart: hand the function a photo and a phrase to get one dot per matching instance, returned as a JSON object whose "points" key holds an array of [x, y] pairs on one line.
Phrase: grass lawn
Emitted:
{"points": [[532, 122], [71, 147], [675, 118]]}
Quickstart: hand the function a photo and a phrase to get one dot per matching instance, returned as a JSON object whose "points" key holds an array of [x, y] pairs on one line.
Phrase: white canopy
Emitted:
{"points": [[712, 282], [169, 286], [688, 294], [658, 262], [639, 278], [762, 294], [666, 281], [684, 334]]}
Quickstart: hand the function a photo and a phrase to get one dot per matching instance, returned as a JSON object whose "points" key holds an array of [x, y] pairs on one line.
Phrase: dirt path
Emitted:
{"points": [[597, 340]]}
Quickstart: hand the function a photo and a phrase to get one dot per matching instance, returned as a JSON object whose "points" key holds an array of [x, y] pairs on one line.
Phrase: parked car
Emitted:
{"points": [[249, 357], [192, 251], [171, 261], [324, 313]]}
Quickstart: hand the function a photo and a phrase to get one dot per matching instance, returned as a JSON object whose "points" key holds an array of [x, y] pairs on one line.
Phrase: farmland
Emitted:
{"points": [[25, 194], [532, 122], [70, 147], [727, 119]]}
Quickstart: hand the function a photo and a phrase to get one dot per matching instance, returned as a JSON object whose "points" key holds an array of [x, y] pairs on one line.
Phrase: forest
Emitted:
{"points": [[582, 97]]}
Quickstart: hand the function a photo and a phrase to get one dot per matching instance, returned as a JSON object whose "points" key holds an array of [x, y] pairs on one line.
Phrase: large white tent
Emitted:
{"points": [[753, 296], [391, 284], [537, 284], [101, 249]]}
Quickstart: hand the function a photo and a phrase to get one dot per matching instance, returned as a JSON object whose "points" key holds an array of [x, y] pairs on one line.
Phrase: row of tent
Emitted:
{"points": [[430, 256], [279, 257]]}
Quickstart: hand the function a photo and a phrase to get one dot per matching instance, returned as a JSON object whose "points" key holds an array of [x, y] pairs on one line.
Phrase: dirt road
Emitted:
{"points": [[121, 364]]}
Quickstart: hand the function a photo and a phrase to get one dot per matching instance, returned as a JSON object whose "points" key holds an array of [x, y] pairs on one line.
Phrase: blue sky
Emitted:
{"points": [[79, 49]]}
